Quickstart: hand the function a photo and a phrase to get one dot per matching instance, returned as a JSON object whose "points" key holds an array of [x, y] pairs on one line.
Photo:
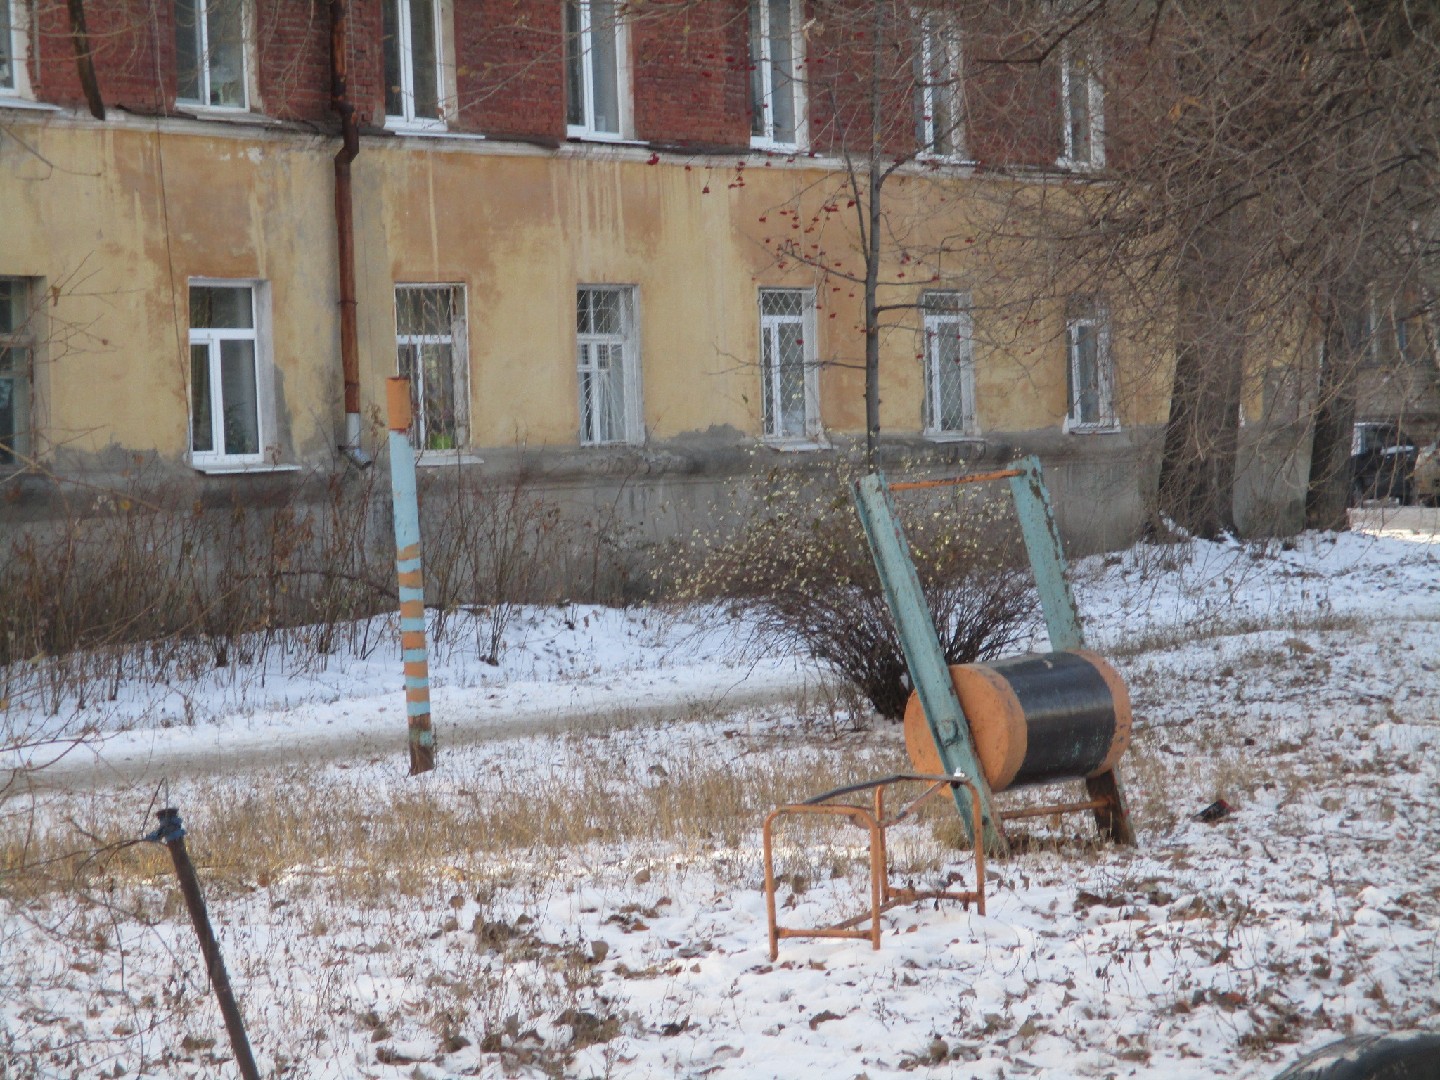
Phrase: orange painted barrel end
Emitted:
{"points": [[1033, 719]]}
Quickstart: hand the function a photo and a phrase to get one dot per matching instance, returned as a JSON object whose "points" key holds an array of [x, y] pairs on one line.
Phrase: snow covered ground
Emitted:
{"points": [[1296, 681]]}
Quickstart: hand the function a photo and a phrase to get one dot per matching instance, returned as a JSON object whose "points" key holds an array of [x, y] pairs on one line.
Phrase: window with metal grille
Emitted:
{"points": [[430, 346], [413, 51], [777, 99], [607, 365], [210, 48], [226, 415], [789, 375], [595, 69], [17, 367], [938, 89], [1091, 369], [949, 364]]}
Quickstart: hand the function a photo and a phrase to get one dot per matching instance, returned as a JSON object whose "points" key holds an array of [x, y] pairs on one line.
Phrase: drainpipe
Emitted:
{"points": [[345, 229]]}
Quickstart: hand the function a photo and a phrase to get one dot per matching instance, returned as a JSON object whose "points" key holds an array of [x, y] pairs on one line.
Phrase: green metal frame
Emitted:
{"points": [[925, 660]]}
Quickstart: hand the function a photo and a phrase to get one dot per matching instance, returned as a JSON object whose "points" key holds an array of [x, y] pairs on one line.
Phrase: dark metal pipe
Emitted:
{"points": [[172, 834], [345, 223], [85, 59]]}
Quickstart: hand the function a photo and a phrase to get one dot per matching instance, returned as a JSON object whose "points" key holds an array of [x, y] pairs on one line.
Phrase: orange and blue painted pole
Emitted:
{"points": [[412, 581]]}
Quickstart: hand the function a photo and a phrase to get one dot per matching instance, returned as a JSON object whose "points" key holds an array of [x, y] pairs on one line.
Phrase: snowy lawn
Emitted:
{"points": [[587, 902]]}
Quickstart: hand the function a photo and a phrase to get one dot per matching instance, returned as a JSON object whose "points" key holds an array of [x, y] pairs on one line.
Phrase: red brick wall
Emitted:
{"points": [[691, 73], [292, 44], [510, 60], [1012, 97], [123, 41], [845, 70]]}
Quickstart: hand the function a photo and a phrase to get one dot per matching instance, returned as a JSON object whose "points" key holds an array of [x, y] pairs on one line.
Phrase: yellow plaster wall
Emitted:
{"points": [[117, 220]]}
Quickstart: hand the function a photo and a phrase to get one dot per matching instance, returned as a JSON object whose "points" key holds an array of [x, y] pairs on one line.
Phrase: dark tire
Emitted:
{"points": [[1406, 1055]]}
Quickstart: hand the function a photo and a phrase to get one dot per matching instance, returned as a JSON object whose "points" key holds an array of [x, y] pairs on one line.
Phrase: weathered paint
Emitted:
{"points": [[116, 219], [924, 658], [406, 513]]}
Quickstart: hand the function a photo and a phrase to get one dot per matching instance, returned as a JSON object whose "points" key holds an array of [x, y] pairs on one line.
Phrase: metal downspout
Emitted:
{"points": [[345, 229]]}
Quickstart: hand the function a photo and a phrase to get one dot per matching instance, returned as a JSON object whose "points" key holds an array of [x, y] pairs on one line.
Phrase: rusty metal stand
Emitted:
{"points": [[171, 833], [883, 895]]}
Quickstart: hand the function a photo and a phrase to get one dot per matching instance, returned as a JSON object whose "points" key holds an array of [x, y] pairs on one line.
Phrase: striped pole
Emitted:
{"points": [[412, 583]]}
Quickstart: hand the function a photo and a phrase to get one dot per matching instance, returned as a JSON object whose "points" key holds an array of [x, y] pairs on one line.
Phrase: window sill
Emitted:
{"points": [[430, 128], [952, 437], [766, 146], [1067, 165], [438, 459], [578, 134], [197, 111], [797, 446], [220, 468], [11, 99], [1072, 428]]}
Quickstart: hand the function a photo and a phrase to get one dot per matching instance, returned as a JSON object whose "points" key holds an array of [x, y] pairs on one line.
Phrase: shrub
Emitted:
{"points": [[799, 569]]}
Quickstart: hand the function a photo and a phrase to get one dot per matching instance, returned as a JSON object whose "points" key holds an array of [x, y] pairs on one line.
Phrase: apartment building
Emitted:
{"points": [[619, 241]]}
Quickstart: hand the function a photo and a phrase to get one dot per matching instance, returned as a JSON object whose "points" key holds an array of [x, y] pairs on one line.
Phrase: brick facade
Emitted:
{"points": [[689, 65]]}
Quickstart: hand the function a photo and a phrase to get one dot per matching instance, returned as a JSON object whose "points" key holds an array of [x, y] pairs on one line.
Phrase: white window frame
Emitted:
{"points": [[940, 51], [217, 460], [948, 313], [1096, 317], [632, 418], [1072, 55], [21, 342], [406, 119], [624, 121], [458, 341], [17, 85], [813, 435], [202, 31], [764, 66]]}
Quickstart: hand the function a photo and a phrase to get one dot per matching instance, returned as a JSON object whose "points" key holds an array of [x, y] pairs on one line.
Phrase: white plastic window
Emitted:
{"points": [[414, 64], [228, 382], [210, 53], [597, 98], [1082, 98], [939, 91], [777, 57]]}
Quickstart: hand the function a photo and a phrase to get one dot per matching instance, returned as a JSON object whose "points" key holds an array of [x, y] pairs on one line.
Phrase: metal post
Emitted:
{"points": [[171, 833], [1062, 621], [923, 656], [412, 582]]}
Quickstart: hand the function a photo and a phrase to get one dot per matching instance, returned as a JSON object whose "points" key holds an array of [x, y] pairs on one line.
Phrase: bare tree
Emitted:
{"points": [[1272, 178]]}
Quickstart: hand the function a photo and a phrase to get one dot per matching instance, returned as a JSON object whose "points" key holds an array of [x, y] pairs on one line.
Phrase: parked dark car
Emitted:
{"points": [[1382, 463]]}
